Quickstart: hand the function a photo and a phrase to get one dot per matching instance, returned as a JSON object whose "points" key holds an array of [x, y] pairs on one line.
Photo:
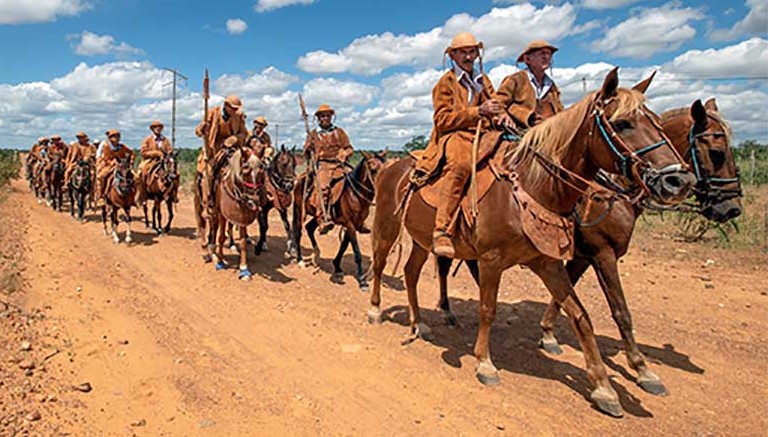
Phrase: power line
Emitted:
{"points": [[173, 107]]}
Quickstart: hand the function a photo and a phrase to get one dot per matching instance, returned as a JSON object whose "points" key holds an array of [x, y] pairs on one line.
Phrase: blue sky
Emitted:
{"points": [[80, 64]]}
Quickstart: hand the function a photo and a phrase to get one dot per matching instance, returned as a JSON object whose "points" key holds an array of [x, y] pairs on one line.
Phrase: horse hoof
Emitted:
{"points": [[450, 319], [233, 248], [221, 265], [374, 316], [363, 287], [337, 277], [652, 386], [245, 275], [607, 401], [128, 240], [264, 247], [302, 264], [550, 347], [488, 375], [207, 258], [424, 332]]}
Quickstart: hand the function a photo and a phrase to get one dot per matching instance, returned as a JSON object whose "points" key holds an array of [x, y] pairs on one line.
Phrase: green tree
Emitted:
{"points": [[416, 143]]}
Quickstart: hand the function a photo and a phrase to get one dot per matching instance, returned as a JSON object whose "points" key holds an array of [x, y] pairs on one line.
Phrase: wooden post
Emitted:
{"points": [[752, 166]]}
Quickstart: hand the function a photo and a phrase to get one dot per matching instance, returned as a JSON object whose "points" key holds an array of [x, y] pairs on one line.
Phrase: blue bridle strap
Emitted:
{"points": [[624, 160]]}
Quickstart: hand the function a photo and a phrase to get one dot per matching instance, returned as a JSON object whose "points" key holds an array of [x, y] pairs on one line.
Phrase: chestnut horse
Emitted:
{"points": [[611, 130], [80, 187], [350, 211], [281, 176], [120, 193], [39, 184], [239, 192], [162, 185], [702, 136]]}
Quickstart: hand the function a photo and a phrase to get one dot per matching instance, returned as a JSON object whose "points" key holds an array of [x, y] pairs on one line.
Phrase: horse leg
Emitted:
{"points": [[489, 290], [128, 238], [230, 233], [157, 217], [71, 195], [261, 245], [338, 274], [575, 268], [80, 205], [556, 279], [610, 281], [298, 219], [104, 219], [444, 268], [244, 274], [362, 281], [221, 264], [169, 203], [385, 235], [289, 247], [115, 224], [413, 267], [311, 227]]}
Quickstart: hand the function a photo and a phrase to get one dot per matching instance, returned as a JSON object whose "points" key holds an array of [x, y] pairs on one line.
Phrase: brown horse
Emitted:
{"points": [[54, 176], [702, 136], [39, 185], [281, 176], [120, 193], [239, 192], [350, 211], [162, 185], [611, 130], [80, 187]]}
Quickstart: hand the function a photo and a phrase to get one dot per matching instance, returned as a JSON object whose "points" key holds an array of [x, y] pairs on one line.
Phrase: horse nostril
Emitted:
{"points": [[732, 213]]}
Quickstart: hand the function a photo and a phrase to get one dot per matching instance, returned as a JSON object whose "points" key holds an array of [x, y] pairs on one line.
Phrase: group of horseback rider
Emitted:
{"points": [[103, 156]]}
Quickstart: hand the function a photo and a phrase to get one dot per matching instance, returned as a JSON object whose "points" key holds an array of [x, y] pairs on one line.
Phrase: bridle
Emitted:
{"points": [[283, 182], [631, 161], [711, 188], [362, 188]]}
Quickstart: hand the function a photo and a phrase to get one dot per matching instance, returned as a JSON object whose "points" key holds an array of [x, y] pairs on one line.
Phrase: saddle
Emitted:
{"points": [[551, 233]]}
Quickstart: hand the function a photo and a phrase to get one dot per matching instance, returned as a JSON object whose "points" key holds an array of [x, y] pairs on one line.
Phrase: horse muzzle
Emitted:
{"points": [[669, 185], [721, 212]]}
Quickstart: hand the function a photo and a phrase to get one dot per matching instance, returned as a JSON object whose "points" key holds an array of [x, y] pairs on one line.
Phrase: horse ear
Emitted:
{"points": [[642, 86], [293, 150], [699, 115], [610, 84], [282, 148], [711, 105], [365, 154], [383, 153]]}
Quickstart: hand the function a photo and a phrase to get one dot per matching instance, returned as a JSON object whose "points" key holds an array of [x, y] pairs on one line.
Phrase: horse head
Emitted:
{"points": [[168, 172], [282, 169], [626, 138], [81, 177], [123, 177], [718, 185], [246, 177]]}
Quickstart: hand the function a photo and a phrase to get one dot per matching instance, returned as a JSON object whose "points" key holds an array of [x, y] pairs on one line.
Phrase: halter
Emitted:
{"points": [[711, 187], [360, 188], [629, 159], [283, 183]]}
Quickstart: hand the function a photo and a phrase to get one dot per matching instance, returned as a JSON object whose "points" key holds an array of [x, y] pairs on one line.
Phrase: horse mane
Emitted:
{"points": [[552, 137], [236, 168]]}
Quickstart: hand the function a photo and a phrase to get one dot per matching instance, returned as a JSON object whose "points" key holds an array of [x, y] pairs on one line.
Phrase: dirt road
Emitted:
{"points": [[172, 347]]}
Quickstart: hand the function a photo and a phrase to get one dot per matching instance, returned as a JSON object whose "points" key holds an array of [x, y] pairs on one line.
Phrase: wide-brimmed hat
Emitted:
{"points": [[536, 45], [112, 132], [55, 137], [324, 108], [43, 140], [231, 141], [156, 123], [233, 101], [260, 120], [81, 134], [463, 39]]}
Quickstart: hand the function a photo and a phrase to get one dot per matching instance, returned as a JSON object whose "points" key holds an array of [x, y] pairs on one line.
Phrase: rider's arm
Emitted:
{"points": [[450, 116]]}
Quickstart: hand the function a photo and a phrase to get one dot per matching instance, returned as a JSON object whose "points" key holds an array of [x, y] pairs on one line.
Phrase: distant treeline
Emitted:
{"points": [[9, 166]]}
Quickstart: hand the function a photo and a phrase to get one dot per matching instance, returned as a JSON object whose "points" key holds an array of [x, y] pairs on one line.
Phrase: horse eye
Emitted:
{"points": [[621, 125], [717, 157]]}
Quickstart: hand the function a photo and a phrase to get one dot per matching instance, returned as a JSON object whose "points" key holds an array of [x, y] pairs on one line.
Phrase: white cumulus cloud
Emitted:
{"points": [[747, 59], [269, 5], [269, 81], [606, 4], [236, 26], [39, 11], [650, 31], [756, 22], [91, 44], [504, 31]]}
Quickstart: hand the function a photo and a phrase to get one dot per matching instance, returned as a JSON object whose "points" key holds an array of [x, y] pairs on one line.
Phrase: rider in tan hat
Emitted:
{"points": [[530, 95], [220, 123], [111, 154], [80, 150], [331, 148], [38, 151], [153, 148], [260, 141], [461, 98]]}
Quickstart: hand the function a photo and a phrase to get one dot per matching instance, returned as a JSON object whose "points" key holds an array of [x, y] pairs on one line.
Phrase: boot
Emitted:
{"points": [[450, 196], [362, 229]]}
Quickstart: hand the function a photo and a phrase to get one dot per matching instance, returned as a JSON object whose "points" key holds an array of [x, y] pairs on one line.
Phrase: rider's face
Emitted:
{"points": [[324, 119], [114, 139], [465, 57], [539, 60], [157, 130], [258, 128]]}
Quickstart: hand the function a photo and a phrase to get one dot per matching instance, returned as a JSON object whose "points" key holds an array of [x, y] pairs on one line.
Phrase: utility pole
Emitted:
{"points": [[584, 85], [277, 135], [173, 107]]}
